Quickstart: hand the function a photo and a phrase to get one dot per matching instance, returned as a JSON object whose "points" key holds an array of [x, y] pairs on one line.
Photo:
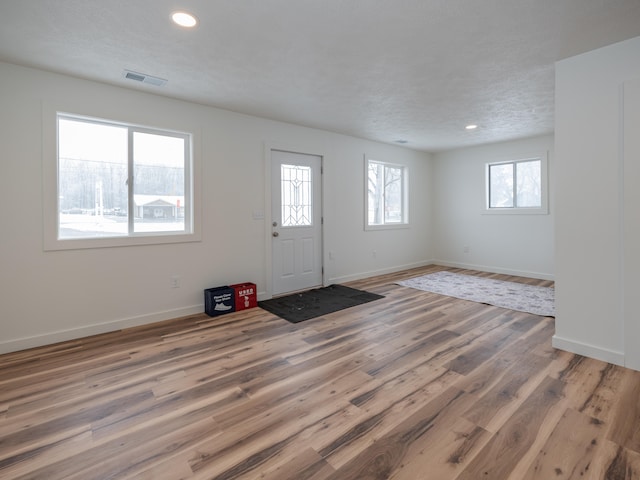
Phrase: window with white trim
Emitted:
{"points": [[517, 186], [118, 180], [386, 196]]}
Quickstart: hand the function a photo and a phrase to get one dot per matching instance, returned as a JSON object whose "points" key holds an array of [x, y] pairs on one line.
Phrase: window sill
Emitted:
{"points": [[516, 211], [389, 226], [87, 243]]}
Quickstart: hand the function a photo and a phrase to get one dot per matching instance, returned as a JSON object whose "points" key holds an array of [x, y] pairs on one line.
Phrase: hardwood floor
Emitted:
{"points": [[413, 386]]}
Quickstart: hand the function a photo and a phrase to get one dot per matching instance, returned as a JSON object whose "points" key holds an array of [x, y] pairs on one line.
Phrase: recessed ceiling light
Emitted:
{"points": [[471, 127], [184, 19]]}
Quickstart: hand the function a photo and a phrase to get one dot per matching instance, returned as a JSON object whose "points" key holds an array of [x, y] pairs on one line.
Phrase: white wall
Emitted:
{"points": [[520, 244], [48, 296], [631, 224], [590, 210]]}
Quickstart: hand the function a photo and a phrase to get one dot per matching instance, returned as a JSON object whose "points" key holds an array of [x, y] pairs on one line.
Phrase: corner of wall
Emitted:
{"points": [[610, 356]]}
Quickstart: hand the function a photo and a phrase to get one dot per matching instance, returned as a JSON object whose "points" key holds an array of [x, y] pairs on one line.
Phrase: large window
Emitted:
{"points": [[118, 180], [386, 194], [516, 186]]}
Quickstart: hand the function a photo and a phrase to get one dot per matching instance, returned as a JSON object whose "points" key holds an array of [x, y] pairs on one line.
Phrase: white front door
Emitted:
{"points": [[296, 214]]}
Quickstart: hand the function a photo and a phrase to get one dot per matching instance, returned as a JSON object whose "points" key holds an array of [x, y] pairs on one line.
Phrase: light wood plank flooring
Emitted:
{"points": [[413, 386]]}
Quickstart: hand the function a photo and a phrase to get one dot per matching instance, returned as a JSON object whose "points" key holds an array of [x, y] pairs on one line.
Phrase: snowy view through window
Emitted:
{"points": [[94, 196]]}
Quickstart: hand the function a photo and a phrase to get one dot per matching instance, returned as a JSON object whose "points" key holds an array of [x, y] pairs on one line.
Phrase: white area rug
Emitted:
{"points": [[512, 295]]}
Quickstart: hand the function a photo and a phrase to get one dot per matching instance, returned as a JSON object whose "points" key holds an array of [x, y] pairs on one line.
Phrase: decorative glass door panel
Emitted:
{"points": [[296, 196]]}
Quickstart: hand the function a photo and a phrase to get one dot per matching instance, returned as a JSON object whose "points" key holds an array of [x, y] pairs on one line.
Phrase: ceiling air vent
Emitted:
{"points": [[141, 77]]}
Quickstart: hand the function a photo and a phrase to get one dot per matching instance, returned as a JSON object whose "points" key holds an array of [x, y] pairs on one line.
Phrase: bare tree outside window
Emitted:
{"points": [[385, 194], [515, 184], [501, 185], [529, 193]]}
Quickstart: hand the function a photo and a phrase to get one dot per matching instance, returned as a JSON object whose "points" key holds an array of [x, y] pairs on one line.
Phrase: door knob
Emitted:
{"points": [[275, 234]]}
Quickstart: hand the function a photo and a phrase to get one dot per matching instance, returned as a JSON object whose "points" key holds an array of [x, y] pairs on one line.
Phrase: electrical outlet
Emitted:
{"points": [[374, 254], [175, 281], [466, 249]]}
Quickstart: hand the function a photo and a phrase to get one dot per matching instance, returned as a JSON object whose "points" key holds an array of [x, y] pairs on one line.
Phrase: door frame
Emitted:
{"points": [[268, 220]]}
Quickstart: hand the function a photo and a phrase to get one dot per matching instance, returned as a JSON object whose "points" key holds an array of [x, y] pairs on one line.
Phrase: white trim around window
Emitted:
{"points": [[186, 211], [386, 195], [512, 165]]}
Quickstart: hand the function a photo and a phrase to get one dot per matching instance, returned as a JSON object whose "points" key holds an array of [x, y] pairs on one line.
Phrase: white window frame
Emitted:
{"points": [[192, 232], [404, 223], [543, 209]]}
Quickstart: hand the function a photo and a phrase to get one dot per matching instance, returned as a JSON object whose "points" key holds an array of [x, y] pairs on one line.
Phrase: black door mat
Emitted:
{"points": [[317, 302]]}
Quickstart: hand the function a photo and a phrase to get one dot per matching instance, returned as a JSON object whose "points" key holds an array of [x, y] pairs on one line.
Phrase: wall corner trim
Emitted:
{"points": [[591, 351], [493, 269]]}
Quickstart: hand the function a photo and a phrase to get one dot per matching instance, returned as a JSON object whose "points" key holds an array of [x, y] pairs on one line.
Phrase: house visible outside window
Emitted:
{"points": [[517, 186], [118, 180], [386, 194]]}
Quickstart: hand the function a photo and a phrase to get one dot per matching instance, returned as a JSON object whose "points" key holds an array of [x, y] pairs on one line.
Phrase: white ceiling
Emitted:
{"points": [[387, 70]]}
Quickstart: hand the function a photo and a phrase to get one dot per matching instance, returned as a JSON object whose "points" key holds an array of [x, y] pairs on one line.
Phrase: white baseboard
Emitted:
{"points": [[49, 338], [7, 346], [591, 351], [373, 273], [505, 271]]}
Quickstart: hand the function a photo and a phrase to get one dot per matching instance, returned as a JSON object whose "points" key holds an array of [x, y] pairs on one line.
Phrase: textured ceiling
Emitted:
{"points": [[387, 70]]}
